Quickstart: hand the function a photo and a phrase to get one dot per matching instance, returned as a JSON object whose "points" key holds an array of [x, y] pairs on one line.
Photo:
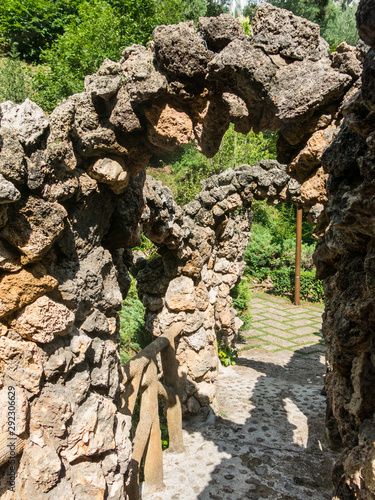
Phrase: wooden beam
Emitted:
{"points": [[297, 282]]}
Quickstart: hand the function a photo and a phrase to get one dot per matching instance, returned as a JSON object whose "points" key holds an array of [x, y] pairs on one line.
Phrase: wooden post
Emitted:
{"points": [[174, 412], [297, 282]]}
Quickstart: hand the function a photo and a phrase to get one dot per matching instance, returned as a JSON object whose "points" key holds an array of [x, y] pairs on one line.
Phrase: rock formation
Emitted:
{"points": [[73, 201]]}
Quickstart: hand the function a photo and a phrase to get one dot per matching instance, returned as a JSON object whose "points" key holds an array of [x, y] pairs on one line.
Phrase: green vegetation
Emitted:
{"points": [[184, 170], [133, 334], [271, 251], [69, 39], [241, 295], [14, 84], [283, 280]]}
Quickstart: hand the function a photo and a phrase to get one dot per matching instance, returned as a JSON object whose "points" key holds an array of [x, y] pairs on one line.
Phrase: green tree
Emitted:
{"points": [[31, 25], [78, 52], [215, 8]]}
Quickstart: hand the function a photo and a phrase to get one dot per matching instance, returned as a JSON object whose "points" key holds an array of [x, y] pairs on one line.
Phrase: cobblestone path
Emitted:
{"points": [[266, 438]]}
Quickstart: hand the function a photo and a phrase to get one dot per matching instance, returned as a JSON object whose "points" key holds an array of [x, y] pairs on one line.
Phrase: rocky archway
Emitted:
{"points": [[71, 200]]}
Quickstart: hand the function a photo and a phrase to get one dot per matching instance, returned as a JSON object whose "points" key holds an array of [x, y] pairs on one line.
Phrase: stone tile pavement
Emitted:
{"points": [[277, 325], [265, 437]]}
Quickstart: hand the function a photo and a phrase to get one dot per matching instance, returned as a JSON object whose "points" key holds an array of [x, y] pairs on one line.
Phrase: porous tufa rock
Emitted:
{"points": [[21, 288], [180, 50], [142, 78], [279, 31], [12, 161], [102, 86], [112, 172], [92, 429], [22, 363], [42, 320], [180, 295], [27, 120], [37, 225], [219, 31], [169, 127], [8, 192]]}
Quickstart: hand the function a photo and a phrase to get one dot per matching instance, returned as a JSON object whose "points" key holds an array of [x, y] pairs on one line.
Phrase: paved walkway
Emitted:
{"points": [[266, 438]]}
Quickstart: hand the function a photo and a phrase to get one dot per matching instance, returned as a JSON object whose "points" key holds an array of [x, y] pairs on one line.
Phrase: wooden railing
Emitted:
{"points": [[141, 377]]}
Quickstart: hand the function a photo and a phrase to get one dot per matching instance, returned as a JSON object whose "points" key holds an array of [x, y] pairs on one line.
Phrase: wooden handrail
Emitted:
{"points": [[141, 376]]}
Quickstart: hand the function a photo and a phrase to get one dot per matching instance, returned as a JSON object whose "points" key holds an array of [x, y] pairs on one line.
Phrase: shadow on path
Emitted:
{"points": [[272, 426]]}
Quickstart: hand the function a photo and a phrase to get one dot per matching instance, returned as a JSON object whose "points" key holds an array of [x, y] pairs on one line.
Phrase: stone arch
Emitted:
{"points": [[71, 201]]}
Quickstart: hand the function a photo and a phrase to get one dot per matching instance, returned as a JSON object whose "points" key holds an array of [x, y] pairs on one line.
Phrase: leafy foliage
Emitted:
{"points": [[31, 25], [187, 167], [78, 52], [14, 84], [228, 355], [271, 250], [133, 335], [284, 283], [241, 295]]}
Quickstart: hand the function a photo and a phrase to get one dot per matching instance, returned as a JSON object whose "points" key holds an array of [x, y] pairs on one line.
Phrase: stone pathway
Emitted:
{"points": [[266, 438]]}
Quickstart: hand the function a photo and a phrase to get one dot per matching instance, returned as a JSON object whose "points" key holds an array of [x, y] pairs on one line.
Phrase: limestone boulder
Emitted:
{"points": [[211, 124], [180, 50], [102, 289], [104, 86], [279, 31], [27, 120], [304, 86], [88, 480], [365, 16], [313, 190], [168, 127], [35, 227], [198, 340], [219, 31], [41, 466], [8, 192], [180, 295], [142, 79], [111, 171], [123, 115], [12, 160], [92, 429], [22, 363], [346, 60], [50, 412], [368, 80], [42, 320], [21, 288], [308, 159], [249, 72]]}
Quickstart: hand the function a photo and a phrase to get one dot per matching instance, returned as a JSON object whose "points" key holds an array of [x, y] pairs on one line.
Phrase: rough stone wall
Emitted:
{"points": [[345, 259], [202, 247], [71, 203]]}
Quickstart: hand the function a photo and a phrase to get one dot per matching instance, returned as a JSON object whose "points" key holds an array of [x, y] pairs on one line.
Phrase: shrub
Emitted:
{"points": [[133, 334], [284, 283], [241, 295], [13, 80]]}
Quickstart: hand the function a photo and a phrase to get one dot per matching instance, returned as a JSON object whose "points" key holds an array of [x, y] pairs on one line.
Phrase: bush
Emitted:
{"points": [[32, 25], [284, 283], [13, 80], [78, 52], [241, 295], [133, 334]]}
